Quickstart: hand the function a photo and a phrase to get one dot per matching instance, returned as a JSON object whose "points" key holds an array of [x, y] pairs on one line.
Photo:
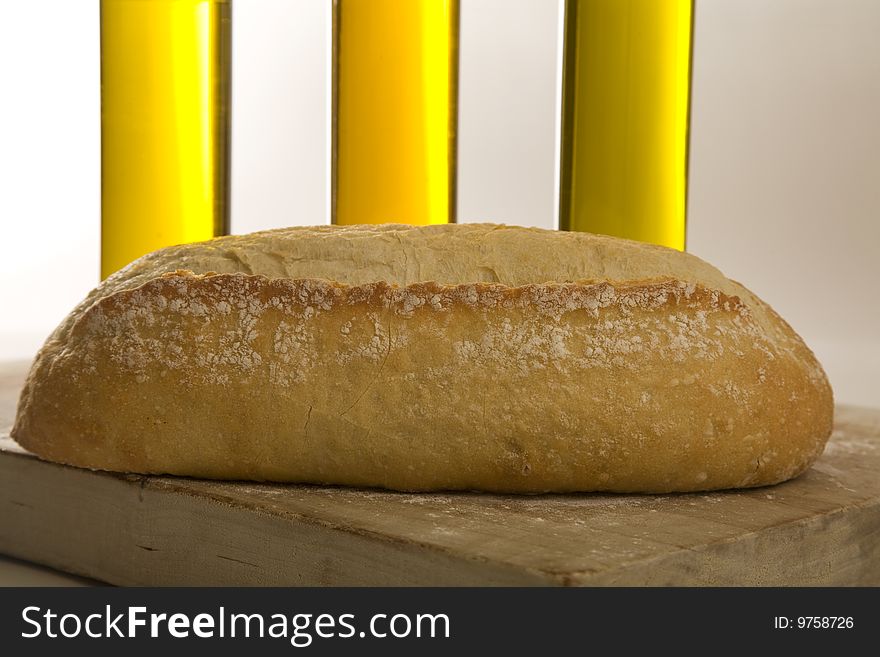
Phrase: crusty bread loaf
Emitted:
{"points": [[443, 357]]}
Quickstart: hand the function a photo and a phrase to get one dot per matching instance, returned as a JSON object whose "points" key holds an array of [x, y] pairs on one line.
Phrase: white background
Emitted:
{"points": [[785, 150]]}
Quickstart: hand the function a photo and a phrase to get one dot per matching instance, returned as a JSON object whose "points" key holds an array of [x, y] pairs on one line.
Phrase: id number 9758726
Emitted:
{"points": [[813, 623]]}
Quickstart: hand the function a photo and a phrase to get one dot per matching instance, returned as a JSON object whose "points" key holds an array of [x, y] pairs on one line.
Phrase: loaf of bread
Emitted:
{"points": [[477, 356]]}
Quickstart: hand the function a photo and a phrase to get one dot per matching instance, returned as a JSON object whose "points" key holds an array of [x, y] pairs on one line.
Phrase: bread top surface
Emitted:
{"points": [[401, 255], [448, 254]]}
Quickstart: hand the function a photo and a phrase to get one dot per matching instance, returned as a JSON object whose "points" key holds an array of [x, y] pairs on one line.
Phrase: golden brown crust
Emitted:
{"points": [[635, 385]]}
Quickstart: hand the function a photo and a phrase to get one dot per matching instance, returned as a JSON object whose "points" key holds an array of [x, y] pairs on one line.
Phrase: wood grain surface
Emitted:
{"points": [[820, 529]]}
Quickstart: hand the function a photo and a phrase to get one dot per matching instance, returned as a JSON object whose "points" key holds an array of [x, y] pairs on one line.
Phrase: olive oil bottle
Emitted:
{"points": [[625, 106], [395, 111], [164, 125]]}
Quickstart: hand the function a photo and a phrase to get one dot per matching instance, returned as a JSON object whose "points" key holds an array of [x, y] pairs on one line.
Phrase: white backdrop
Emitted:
{"points": [[785, 150]]}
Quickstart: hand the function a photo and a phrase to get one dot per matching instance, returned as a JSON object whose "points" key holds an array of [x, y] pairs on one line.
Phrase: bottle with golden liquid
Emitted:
{"points": [[164, 125], [395, 111], [625, 106]]}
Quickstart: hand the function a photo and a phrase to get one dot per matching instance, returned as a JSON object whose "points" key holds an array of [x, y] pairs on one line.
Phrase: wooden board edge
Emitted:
{"points": [[129, 534], [838, 548]]}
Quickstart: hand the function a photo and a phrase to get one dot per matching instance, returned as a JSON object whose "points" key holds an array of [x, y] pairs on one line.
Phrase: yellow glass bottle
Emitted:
{"points": [[625, 106], [395, 111], [164, 125]]}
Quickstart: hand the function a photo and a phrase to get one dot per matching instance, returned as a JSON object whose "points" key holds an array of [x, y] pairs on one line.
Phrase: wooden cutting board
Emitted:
{"points": [[821, 529]]}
